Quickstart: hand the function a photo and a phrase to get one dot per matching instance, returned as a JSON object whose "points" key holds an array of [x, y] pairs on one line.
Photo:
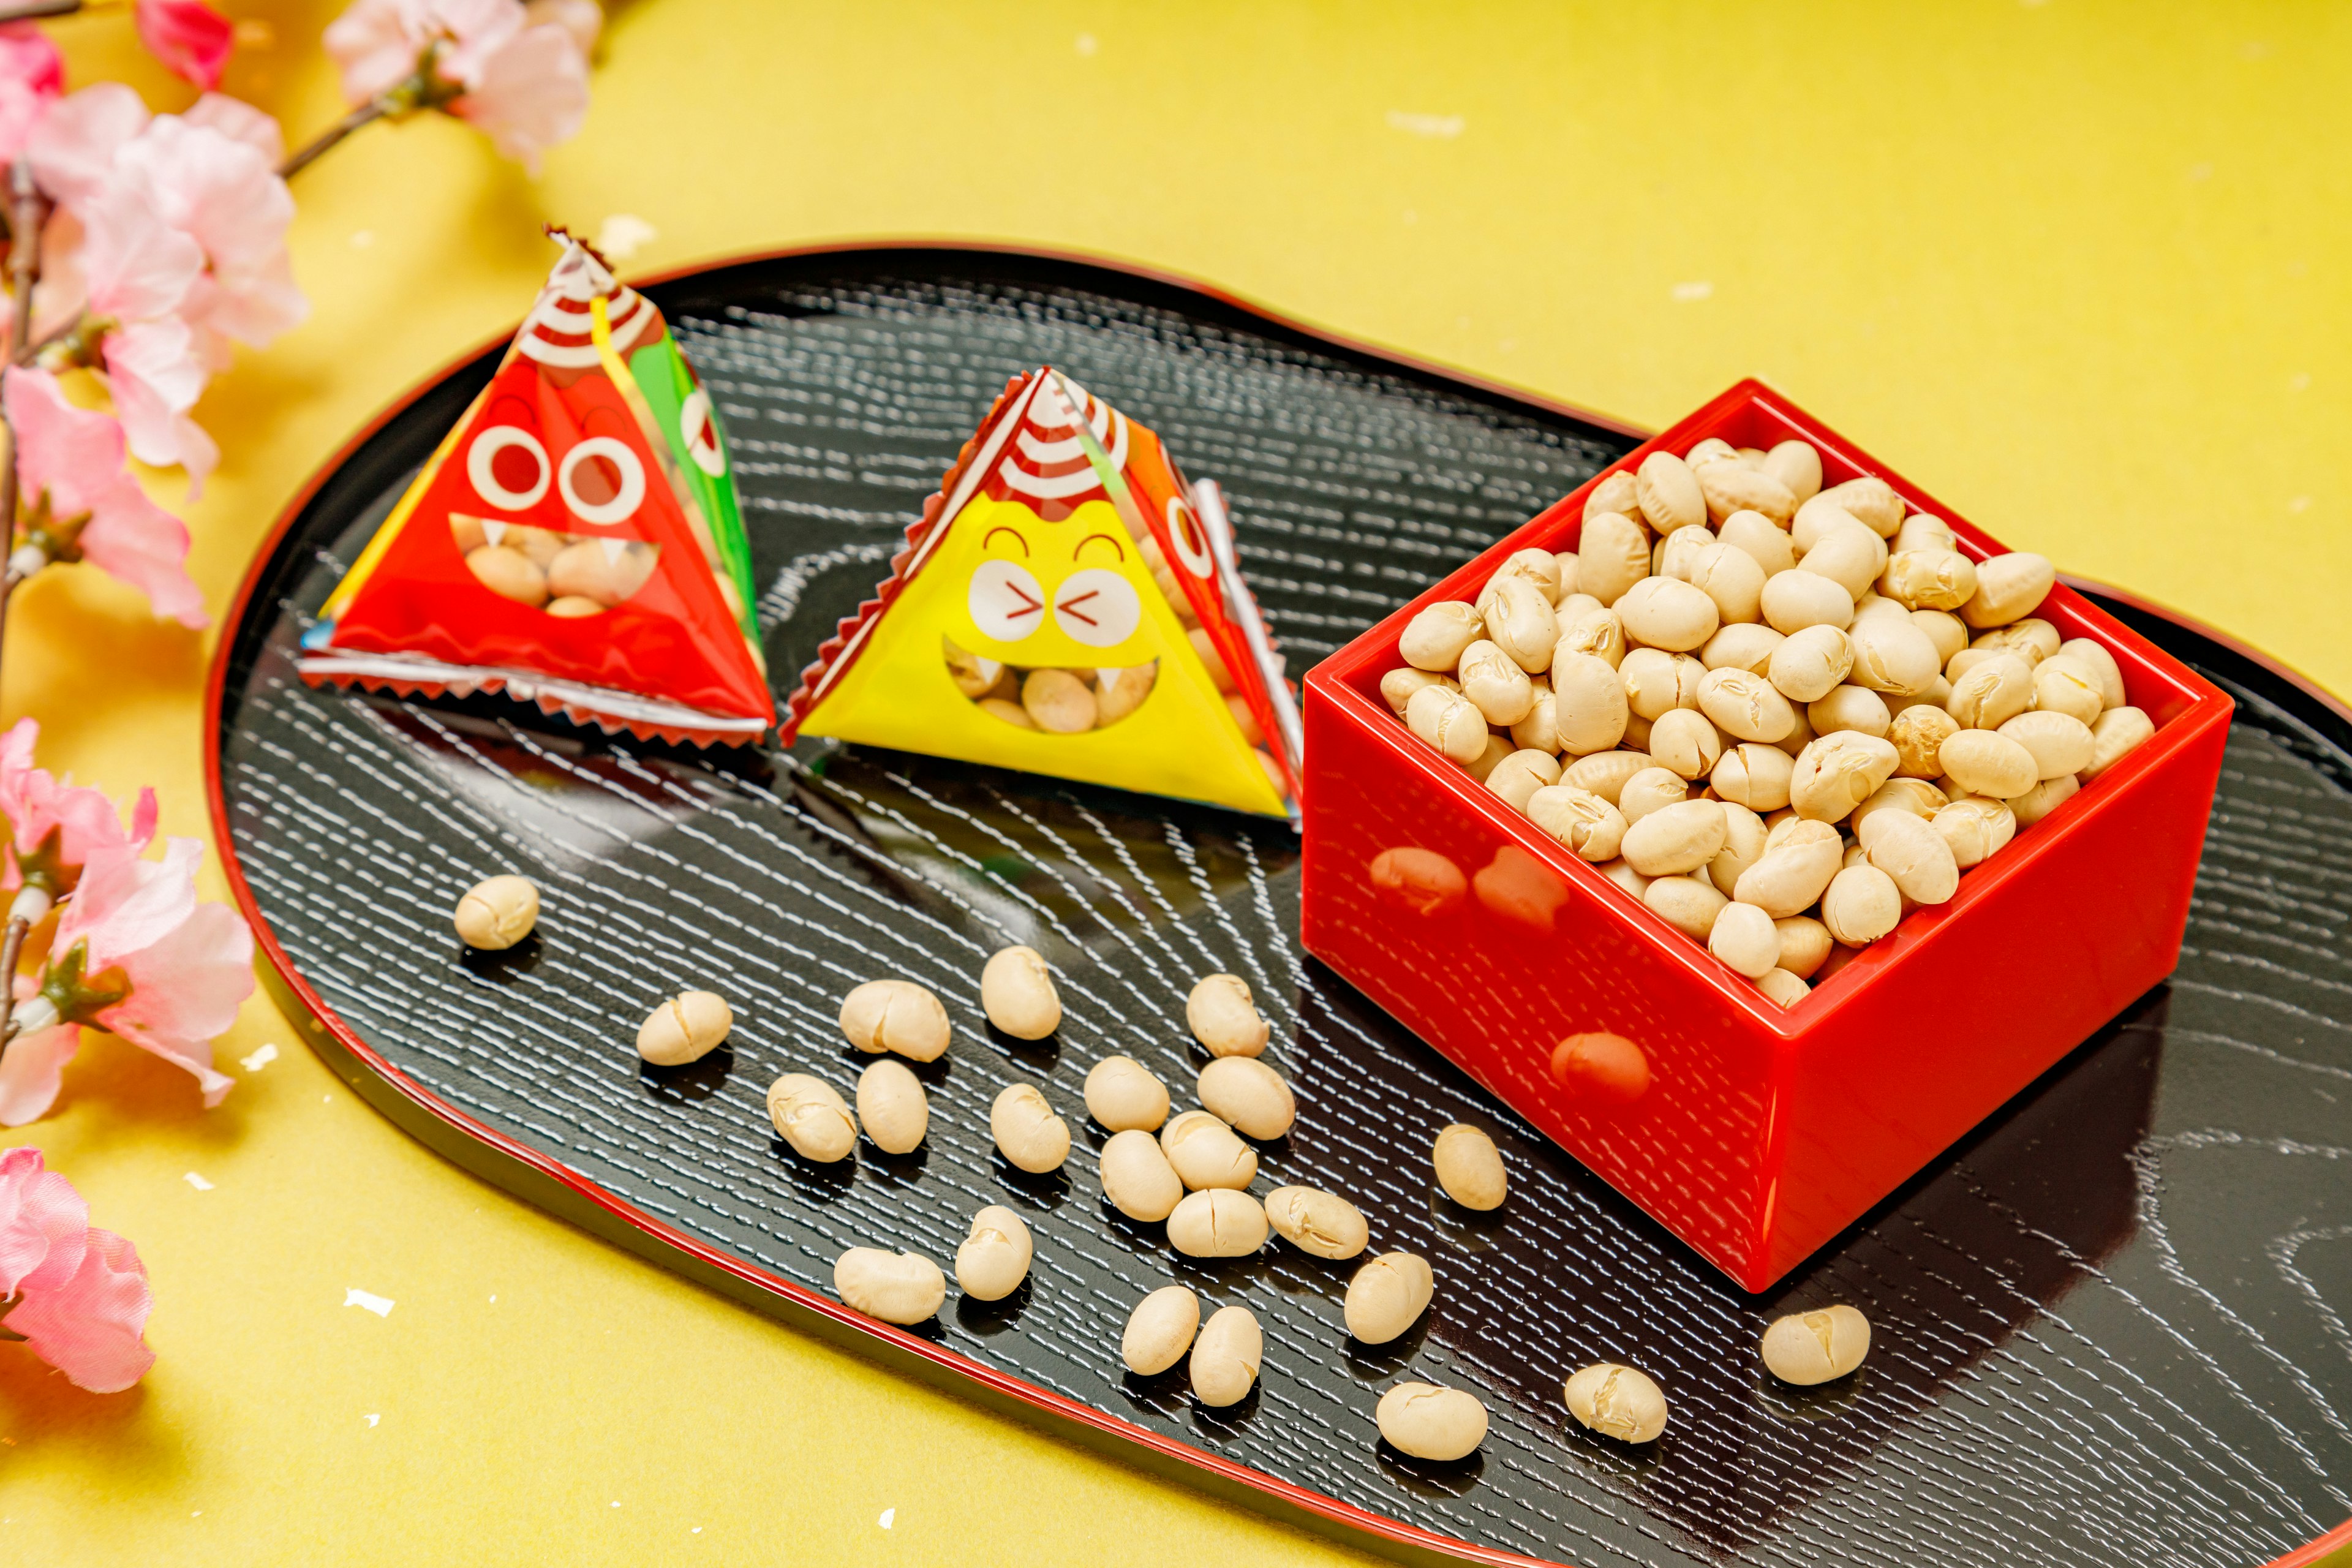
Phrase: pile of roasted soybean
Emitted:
{"points": [[1191, 1171], [1863, 710]]}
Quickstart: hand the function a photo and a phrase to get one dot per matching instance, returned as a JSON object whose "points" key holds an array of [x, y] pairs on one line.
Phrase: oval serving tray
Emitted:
{"points": [[2110, 1325]]}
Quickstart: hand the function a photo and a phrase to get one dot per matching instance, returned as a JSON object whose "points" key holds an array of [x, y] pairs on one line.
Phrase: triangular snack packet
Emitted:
{"points": [[1068, 606], [575, 541]]}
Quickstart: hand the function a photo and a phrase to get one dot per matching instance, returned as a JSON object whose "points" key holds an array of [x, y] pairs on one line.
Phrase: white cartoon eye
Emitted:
{"points": [[1191, 539], [1005, 601], [1097, 608], [508, 467], [700, 433], [602, 481]]}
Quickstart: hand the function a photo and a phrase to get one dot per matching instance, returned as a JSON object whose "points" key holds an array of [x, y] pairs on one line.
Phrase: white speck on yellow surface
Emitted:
{"points": [[1443, 126], [623, 235]]}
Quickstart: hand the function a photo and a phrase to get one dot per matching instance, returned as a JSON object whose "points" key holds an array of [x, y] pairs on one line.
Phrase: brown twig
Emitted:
{"points": [[29, 353], [32, 10], [26, 213], [12, 948], [25, 217], [374, 108]]}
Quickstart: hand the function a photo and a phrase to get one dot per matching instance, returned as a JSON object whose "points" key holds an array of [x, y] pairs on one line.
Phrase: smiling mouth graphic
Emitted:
{"points": [[1057, 698]]}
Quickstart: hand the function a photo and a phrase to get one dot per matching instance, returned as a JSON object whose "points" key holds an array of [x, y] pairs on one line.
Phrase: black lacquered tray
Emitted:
{"points": [[2111, 1326]]}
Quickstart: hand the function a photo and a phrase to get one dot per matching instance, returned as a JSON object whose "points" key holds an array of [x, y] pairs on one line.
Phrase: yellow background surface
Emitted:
{"points": [[2080, 269]]}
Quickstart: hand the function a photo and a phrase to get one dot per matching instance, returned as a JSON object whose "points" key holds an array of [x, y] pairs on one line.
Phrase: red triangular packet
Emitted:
{"points": [[1068, 606], [553, 550]]}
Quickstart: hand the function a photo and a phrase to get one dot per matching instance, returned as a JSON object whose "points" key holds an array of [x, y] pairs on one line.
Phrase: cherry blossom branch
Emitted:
{"points": [[12, 948], [29, 353], [25, 215], [32, 10], [422, 89], [374, 108], [25, 218]]}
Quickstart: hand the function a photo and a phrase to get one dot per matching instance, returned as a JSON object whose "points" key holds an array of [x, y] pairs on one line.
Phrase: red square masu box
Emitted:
{"points": [[1753, 1133]]}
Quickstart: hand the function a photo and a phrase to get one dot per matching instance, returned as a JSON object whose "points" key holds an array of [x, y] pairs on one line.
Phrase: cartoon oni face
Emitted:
{"points": [[1054, 639], [568, 572], [598, 477]]}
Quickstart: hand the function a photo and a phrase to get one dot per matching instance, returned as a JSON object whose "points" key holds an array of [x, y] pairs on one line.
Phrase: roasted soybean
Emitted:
{"points": [[1432, 1423], [1387, 1296], [1159, 1330], [494, 914], [899, 1016], [1121, 1094], [1469, 1167], [1316, 1222], [1026, 1130], [1137, 1177], [1217, 1222], [811, 1116], [899, 1288], [1205, 1153], [1016, 992], [994, 1258], [686, 1028], [1617, 1402], [1808, 1348], [1226, 1357], [1248, 1095], [892, 1106]]}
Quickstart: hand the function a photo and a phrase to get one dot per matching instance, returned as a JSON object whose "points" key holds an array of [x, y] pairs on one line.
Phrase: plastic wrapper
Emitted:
{"points": [[1068, 606], [575, 541]]}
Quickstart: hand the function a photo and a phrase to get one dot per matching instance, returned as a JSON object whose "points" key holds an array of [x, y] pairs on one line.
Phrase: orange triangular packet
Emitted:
{"points": [[1068, 606]]}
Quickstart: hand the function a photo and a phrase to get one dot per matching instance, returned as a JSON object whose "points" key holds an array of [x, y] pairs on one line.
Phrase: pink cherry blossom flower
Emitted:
{"points": [[210, 174], [92, 1327], [139, 272], [187, 35], [239, 122], [531, 95], [221, 190], [41, 1216], [181, 222], [80, 1294], [583, 19], [32, 75], [73, 148], [136, 954], [32, 1067], [53, 828], [376, 45], [520, 79], [73, 458], [27, 56]]}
